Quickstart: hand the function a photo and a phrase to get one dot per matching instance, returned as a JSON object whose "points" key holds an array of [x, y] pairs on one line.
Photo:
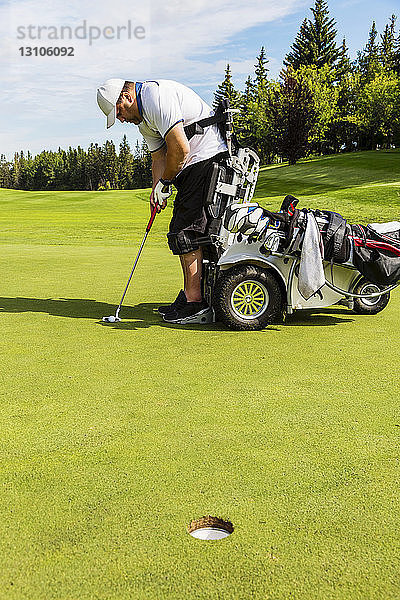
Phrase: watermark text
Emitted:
{"points": [[85, 31]]}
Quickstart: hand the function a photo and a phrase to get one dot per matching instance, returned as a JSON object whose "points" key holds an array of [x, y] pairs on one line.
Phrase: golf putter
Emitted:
{"points": [[115, 318]]}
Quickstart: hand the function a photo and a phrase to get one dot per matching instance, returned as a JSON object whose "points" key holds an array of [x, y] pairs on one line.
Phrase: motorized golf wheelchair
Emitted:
{"points": [[253, 258]]}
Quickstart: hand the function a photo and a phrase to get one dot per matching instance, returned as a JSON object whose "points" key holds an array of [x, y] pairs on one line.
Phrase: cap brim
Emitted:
{"points": [[111, 117]]}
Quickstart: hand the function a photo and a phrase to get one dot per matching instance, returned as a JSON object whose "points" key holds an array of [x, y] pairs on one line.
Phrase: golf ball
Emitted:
{"points": [[111, 319]]}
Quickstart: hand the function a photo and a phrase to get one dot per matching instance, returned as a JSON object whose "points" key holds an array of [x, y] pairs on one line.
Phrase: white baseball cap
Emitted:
{"points": [[107, 96]]}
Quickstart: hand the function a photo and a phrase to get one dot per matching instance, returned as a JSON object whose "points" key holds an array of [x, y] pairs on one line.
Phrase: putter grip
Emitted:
{"points": [[152, 217]]}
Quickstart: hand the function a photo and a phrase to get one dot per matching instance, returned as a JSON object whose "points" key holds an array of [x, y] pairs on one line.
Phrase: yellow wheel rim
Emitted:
{"points": [[249, 299]]}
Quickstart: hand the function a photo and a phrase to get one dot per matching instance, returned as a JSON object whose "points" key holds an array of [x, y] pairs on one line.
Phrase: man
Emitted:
{"points": [[161, 109]]}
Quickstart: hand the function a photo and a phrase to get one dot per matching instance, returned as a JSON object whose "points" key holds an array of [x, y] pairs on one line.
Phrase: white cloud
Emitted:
{"points": [[45, 99]]}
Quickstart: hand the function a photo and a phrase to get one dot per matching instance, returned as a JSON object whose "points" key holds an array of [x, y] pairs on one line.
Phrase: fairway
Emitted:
{"points": [[114, 437]]}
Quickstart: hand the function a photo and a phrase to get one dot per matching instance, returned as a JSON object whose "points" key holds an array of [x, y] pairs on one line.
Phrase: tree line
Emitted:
{"points": [[322, 103], [97, 168]]}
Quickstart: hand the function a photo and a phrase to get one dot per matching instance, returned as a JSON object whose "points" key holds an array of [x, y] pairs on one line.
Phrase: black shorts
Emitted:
{"points": [[189, 218]]}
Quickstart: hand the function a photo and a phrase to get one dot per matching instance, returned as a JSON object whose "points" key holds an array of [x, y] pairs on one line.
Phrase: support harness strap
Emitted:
{"points": [[198, 127]]}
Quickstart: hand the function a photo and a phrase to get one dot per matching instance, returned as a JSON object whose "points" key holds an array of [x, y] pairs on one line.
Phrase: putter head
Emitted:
{"points": [[111, 319]]}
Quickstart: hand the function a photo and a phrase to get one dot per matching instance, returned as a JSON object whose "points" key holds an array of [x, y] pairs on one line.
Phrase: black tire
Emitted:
{"points": [[248, 298], [369, 306]]}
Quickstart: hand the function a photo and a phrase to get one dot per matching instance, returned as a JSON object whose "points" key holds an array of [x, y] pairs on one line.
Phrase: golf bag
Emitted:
{"points": [[377, 252], [374, 250]]}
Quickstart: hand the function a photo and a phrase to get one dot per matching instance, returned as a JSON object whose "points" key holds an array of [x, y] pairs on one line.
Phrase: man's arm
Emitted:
{"points": [[169, 160], [158, 163], [177, 151]]}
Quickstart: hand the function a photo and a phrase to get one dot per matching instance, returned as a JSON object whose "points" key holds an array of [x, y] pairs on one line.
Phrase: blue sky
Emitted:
{"points": [[50, 101]]}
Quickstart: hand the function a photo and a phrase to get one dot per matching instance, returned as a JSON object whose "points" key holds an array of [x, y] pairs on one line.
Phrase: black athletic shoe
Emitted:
{"points": [[191, 312], [179, 301]]}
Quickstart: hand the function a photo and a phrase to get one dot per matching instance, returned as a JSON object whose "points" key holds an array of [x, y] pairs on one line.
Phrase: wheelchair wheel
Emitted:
{"points": [[369, 306], [248, 298]]}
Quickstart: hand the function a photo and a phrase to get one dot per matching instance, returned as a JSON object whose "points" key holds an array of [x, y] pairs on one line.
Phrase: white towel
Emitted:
{"points": [[385, 227], [311, 273]]}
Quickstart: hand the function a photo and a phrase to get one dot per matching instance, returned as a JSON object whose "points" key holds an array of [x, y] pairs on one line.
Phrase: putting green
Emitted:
{"points": [[114, 437]]}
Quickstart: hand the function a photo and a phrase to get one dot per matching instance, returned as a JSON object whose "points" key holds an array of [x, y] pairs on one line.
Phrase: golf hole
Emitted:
{"points": [[210, 528]]}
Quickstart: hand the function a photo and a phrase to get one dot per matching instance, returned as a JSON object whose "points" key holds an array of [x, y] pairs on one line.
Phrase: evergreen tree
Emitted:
{"points": [[343, 66], [125, 165], [244, 126], [94, 167], [146, 165], [387, 46], [323, 35], [261, 72], [315, 43], [226, 89], [110, 167], [25, 171], [16, 171], [252, 128], [79, 176], [83, 169], [142, 174], [368, 58], [5, 173], [248, 93], [396, 55], [300, 53], [247, 122]]}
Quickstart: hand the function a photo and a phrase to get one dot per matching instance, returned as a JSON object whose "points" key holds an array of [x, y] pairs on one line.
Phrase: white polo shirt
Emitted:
{"points": [[163, 104]]}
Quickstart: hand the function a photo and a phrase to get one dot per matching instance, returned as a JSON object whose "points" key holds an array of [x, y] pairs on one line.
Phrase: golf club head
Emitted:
{"points": [[111, 319]]}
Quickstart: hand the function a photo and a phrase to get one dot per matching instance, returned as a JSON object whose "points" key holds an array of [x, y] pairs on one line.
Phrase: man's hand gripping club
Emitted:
{"points": [[161, 192]]}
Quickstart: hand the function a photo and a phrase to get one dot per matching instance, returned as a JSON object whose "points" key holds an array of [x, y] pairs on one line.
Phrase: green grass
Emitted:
{"points": [[363, 185], [114, 437]]}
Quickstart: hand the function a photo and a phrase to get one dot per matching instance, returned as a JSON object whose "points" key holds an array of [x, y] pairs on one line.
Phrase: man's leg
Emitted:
{"points": [[191, 308], [191, 266]]}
